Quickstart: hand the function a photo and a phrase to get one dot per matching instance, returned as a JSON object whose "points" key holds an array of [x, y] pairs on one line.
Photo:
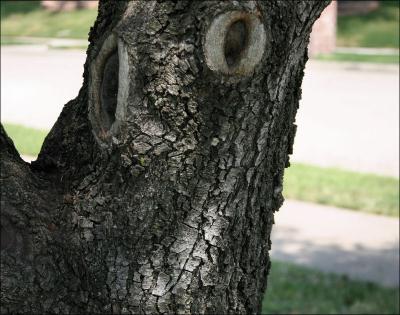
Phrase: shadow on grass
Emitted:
{"points": [[379, 265], [18, 7], [297, 290], [331, 279]]}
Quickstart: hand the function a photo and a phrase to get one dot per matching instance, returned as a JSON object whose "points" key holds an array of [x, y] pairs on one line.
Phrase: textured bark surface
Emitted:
{"points": [[162, 202]]}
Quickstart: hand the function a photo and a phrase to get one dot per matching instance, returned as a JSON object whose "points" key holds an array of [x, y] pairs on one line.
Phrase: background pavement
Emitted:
{"points": [[349, 117], [37, 82]]}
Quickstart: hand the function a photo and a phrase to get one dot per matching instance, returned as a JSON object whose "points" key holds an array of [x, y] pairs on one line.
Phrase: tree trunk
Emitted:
{"points": [[155, 190]]}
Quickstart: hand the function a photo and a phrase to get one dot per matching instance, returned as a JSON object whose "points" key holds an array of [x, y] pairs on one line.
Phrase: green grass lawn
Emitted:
{"points": [[27, 18], [336, 187], [329, 186], [297, 290], [28, 141], [379, 28], [394, 59]]}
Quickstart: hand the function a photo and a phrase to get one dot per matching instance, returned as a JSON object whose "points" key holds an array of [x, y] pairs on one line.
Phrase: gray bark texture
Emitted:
{"points": [[155, 190]]}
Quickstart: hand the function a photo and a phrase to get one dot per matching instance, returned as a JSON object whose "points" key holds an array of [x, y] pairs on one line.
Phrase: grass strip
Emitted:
{"points": [[388, 59], [28, 141], [28, 18], [341, 188]]}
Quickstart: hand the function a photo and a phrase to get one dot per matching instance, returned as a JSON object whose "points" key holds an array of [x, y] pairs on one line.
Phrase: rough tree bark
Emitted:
{"points": [[155, 190]]}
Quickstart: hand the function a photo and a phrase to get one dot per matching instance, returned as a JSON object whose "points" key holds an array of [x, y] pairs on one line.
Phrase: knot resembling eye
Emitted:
{"points": [[108, 88], [234, 43]]}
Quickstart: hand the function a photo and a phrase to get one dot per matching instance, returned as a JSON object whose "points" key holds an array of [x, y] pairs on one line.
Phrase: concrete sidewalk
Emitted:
{"points": [[361, 246]]}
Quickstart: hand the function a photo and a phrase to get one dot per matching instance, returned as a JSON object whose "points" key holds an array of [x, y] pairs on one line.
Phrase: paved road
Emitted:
{"points": [[361, 246], [37, 82], [348, 117]]}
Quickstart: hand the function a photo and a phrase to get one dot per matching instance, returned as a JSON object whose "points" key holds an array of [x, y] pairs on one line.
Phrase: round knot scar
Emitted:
{"points": [[234, 43]]}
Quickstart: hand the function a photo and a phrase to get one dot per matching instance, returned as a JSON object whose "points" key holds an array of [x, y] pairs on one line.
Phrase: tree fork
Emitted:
{"points": [[155, 190]]}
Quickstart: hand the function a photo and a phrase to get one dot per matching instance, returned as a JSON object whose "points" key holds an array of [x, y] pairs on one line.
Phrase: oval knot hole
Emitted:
{"points": [[109, 87], [235, 42]]}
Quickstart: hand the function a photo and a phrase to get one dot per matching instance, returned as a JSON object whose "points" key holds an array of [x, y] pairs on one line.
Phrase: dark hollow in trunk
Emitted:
{"points": [[235, 42], [155, 190], [109, 88]]}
